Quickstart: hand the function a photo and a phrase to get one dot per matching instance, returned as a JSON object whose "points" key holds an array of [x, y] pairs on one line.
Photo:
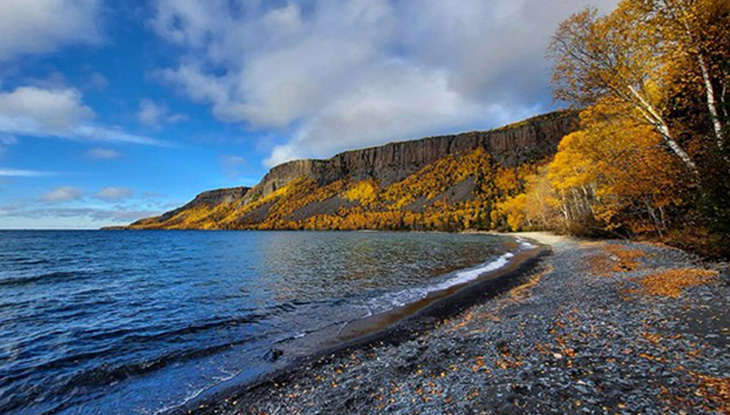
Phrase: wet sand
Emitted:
{"points": [[578, 331]]}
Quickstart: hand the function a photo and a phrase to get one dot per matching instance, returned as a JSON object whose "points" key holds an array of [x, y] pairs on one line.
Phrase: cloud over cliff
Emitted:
{"points": [[332, 75]]}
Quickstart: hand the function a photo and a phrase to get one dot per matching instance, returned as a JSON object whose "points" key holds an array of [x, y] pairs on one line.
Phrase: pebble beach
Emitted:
{"points": [[595, 327]]}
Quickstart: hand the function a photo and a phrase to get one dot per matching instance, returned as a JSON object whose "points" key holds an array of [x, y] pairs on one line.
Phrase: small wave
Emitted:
{"points": [[29, 261], [524, 244], [193, 395], [401, 298], [43, 278], [463, 277], [170, 334], [388, 301], [105, 374]]}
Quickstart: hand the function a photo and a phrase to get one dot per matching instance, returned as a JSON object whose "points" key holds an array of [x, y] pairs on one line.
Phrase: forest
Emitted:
{"points": [[652, 156]]}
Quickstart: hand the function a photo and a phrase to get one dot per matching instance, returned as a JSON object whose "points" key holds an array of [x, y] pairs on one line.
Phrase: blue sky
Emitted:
{"points": [[115, 110]]}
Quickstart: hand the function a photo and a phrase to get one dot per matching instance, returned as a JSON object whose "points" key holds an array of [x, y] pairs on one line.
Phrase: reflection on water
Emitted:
{"points": [[136, 322]]}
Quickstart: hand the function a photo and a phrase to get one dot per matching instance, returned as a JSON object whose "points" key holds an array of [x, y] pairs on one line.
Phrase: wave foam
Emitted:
{"points": [[462, 277], [524, 244], [401, 298]]}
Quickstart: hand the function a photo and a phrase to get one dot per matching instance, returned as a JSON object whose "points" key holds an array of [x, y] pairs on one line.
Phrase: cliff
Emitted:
{"points": [[207, 198], [334, 187], [510, 146]]}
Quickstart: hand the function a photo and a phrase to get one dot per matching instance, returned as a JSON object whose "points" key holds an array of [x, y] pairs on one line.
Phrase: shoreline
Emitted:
{"points": [[574, 333], [393, 327]]}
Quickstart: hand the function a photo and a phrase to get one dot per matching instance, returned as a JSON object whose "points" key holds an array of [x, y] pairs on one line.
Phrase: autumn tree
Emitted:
{"points": [[696, 45], [615, 57]]}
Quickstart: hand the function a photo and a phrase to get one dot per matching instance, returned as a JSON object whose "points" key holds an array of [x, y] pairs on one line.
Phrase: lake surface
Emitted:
{"points": [[104, 322]]}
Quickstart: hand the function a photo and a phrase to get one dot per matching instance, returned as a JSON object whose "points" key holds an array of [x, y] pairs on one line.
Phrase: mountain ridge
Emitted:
{"points": [[380, 167]]}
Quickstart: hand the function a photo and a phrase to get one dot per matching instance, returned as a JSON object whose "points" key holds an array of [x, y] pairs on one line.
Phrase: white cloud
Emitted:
{"points": [[150, 113], [233, 166], [48, 214], [27, 217], [113, 194], [42, 111], [154, 115], [58, 112], [92, 132], [63, 194], [349, 73], [40, 26], [421, 102], [23, 173], [6, 141], [99, 153], [97, 81]]}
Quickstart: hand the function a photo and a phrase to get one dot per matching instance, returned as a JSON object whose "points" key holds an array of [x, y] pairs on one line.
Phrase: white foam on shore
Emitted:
{"points": [[524, 244], [462, 277], [387, 302], [401, 298]]}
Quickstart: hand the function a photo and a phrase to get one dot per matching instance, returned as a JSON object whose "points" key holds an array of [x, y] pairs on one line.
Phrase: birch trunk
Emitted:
{"points": [[653, 117], [712, 104]]}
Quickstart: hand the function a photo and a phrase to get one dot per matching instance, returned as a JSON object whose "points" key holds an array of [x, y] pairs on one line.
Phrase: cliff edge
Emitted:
{"points": [[333, 187]]}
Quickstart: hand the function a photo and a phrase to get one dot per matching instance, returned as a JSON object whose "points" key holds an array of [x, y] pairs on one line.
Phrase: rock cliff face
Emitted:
{"points": [[526, 142], [210, 198], [529, 140]]}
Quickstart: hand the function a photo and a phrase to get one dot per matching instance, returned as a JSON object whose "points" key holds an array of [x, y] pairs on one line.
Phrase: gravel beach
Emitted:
{"points": [[606, 327]]}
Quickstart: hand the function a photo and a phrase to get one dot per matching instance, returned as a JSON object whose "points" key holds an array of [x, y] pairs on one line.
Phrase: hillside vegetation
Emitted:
{"points": [[456, 192], [649, 158]]}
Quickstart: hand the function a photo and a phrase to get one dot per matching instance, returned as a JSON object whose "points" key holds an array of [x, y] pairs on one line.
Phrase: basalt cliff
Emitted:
{"points": [[448, 182]]}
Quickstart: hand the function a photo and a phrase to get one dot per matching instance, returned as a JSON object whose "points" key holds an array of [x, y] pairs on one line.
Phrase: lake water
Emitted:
{"points": [[104, 322]]}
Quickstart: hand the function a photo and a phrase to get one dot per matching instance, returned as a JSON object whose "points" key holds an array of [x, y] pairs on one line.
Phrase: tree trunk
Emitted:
{"points": [[712, 104], [656, 120], [653, 216]]}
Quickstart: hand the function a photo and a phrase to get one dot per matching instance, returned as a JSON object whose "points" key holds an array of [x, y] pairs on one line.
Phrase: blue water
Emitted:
{"points": [[104, 322]]}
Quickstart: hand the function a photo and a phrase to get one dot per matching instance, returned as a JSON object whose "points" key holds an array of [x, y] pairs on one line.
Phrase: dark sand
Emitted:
{"points": [[577, 334]]}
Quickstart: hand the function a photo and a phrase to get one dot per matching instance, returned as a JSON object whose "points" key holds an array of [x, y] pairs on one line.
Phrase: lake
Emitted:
{"points": [[105, 322]]}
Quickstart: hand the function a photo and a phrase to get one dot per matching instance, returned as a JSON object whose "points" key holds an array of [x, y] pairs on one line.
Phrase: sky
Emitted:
{"points": [[111, 111]]}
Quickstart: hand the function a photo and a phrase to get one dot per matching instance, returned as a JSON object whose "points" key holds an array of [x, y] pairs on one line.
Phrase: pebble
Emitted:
{"points": [[573, 346]]}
